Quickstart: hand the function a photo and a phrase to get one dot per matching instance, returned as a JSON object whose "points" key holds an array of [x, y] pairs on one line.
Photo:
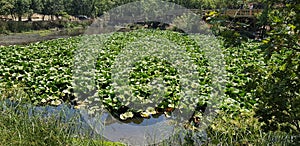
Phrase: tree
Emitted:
{"points": [[35, 6], [283, 16], [279, 92], [83, 7], [53, 8], [21, 7], [6, 7], [68, 6]]}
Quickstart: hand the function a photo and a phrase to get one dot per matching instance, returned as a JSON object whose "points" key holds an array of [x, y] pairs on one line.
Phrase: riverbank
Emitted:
{"points": [[25, 124], [36, 36]]}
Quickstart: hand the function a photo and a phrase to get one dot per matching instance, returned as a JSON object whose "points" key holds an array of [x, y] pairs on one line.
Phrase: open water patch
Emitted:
{"points": [[78, 126]]}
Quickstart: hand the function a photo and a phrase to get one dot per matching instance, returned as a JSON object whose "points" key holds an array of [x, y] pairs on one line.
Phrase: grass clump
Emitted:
{"points": [[244, 129], [19, 127]]}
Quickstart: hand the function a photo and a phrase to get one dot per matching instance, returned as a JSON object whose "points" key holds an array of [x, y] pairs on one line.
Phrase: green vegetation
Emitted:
{"points": [[44, 71], [8, 27], [146, 69], [261, 104], [244, 129], [18, 127], [279, 93], [43, 68], [93, 8]]}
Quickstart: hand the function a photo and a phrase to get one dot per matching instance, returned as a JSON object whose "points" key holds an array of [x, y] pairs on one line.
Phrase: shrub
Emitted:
{"points": [[279, 94], [244, 129]]}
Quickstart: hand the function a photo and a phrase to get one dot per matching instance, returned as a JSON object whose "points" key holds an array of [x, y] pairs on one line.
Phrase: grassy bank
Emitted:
{"points": [[7, 27], [38, 35], [18, 127]]}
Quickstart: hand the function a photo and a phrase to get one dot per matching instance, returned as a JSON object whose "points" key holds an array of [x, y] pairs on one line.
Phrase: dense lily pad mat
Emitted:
{"points": [[44, 70]]}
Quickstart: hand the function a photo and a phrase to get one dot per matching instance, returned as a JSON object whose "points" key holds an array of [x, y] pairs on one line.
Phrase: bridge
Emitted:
{"points": [[235, 13]]}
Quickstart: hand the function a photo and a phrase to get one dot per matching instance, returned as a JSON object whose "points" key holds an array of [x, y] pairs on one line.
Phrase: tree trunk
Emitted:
{"points": [[20, 18], [57, 17], [29, 18], [12, 15]]}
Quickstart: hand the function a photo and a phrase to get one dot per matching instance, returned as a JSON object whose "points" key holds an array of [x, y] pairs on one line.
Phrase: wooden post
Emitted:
{"points": [[250, 7]]}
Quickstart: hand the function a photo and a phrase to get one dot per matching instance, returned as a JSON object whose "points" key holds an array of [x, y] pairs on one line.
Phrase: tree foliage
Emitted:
{"points": [[21, 7], [283, 16], [94, 8], [279, 91], [5, 7]]}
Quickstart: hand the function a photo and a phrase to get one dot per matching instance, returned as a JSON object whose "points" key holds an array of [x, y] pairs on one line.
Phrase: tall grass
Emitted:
{"points": [[241, 129], [244, 129], [19, 127]]}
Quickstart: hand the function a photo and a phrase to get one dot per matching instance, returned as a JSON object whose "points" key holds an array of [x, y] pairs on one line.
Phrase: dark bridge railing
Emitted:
{"points": [[233, 12]]}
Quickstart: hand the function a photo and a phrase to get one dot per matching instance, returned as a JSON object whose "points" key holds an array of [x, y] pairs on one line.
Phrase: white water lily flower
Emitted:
{"points": [[56, 102], [167, 114], [171, 105], [44, 100], [126, 115], [145, 114], [150, 110]]}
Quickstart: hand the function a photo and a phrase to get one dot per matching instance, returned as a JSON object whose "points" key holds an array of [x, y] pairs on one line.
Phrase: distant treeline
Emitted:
{"points": [[17, 26], [94, 8]]}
